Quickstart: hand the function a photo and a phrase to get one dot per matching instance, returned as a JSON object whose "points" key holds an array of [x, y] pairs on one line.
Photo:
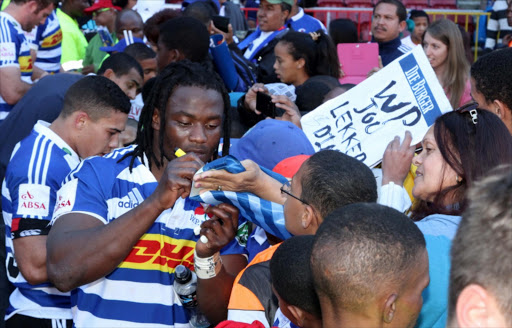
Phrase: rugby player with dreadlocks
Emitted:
{"points": [[118, 234]]}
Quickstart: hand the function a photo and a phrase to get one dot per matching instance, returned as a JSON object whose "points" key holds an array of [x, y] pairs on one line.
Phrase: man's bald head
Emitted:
{"points": [[129, 20]]}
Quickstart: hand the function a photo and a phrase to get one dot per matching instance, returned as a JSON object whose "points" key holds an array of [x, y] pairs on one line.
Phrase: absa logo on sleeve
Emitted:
{"points": [[33, 200], [66, 197]]}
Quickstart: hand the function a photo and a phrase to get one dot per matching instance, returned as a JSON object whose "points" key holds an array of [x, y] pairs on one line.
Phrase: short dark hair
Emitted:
{"points": [[332, 179], [181, 73], [343, 30], [201, 10], [95, 95], [319, 55], [415, 13], [401, 11], [493, 78], [360, 247], [188, 35], [291, 274], [482, 247], [471, 150], [121, 63], [139, 51], [152, 25]]}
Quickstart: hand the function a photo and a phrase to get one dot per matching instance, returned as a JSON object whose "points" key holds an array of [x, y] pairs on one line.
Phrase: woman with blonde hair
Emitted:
{"points": [[444, 48]]}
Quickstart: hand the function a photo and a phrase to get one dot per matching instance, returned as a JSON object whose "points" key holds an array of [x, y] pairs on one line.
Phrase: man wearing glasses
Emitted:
{"points": [[325, 181], [104, 14]]}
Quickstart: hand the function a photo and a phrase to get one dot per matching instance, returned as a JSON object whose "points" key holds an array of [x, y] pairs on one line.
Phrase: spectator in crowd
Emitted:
{"points": [[84, 250], [480, 281], [152, 25], [125, 4], [421, 21], [147, 60], [182, 38], [343, 30], [15, 60], [236, 17], [445, 51], [125, 71], [497, 24], [301, 22], [104, 13], [94, 113], [507, 39], [45, 100], [74, 42], [387, 23], [259, 46], [490, 84], [370, 267], [130, 21], [300, 56], [292, 284], [460, 148], [324, 182]]}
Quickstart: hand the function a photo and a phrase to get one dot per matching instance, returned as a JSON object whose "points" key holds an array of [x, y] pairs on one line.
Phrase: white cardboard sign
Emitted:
{"points": [[403, 96]]}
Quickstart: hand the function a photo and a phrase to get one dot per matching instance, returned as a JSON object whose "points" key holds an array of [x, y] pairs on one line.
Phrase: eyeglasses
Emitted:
{"points": [[285, 189], [471, 109], [102, 10]]}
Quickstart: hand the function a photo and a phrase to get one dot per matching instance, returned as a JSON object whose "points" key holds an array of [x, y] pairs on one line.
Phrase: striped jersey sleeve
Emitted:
{"points": [[14, 52], [36, 170], [139, 292], [49, 45]]}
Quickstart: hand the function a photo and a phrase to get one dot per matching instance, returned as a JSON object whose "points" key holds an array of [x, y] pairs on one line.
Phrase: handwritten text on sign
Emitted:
{"points": [[405, 95]]}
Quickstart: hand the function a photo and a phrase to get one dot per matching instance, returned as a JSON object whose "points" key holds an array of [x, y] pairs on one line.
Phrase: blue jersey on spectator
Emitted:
{"points": [[14, 51], [38, 166], [391, 50], [139, 292], [305, 23]]}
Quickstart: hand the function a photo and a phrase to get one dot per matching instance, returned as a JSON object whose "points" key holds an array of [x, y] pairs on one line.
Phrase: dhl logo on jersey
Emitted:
{"points": [[25, 64], [52, 40], [158, 252]]}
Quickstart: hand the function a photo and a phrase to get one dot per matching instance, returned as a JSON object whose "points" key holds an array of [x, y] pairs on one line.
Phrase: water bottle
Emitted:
{"points": [[185, 284]]}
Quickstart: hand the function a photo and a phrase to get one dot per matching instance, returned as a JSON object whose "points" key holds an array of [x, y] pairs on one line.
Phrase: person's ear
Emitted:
{"points": [[301, 63], [476, 308], [389, 308], [402, 25], [175, 55], [80, 120], [155, 122], [311, 219], [499, 108], [109, 73], [298, 315]]}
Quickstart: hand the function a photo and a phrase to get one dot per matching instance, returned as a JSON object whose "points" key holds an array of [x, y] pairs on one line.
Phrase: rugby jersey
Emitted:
{"points": [[302, 22], [48, 40], [39, 164], [14, 51], [139, 292]]}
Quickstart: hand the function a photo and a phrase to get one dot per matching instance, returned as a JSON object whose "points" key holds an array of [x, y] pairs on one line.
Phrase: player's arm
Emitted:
{"points": [[213, 293], [82, 249], [12, 87], [30, 255]]}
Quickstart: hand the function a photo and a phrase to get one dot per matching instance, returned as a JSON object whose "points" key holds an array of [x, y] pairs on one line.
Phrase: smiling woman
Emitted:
{"points": [[444, 48]]}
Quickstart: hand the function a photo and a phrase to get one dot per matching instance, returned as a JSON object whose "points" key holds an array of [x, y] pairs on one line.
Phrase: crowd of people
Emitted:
{"points": [[144, 145]]}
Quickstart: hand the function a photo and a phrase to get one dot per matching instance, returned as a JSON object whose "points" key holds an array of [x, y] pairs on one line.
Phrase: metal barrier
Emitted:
{"points": [[362, 17]]}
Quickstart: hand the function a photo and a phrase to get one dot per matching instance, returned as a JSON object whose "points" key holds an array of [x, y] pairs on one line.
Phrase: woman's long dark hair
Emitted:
{"points": [[317, 49], [182, 73], [471, 150]]}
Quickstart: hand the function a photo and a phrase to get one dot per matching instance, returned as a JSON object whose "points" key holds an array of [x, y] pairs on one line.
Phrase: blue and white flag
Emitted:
{"points": [[266, 214]]}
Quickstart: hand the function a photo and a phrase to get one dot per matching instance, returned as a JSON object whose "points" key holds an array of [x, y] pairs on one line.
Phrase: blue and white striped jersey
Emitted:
{"points": [[48, 40], [14, 51], [139, 292], [38, 165]]}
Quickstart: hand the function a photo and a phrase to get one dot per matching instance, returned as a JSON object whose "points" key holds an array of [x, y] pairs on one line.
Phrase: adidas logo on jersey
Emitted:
{"points": [[134, 199]]}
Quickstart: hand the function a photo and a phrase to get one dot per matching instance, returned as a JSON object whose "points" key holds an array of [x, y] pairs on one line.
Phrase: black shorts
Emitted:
{"points": [[23, 321]]}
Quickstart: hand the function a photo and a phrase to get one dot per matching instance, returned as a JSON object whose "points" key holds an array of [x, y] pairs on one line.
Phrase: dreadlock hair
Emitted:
{"points": [[179, 74]]}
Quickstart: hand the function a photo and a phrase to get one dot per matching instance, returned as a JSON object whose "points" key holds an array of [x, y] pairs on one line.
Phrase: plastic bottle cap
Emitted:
{"points": [[182, 274]]}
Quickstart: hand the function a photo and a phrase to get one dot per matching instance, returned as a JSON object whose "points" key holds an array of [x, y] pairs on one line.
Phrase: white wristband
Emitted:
{"points": [[209, 267]]}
